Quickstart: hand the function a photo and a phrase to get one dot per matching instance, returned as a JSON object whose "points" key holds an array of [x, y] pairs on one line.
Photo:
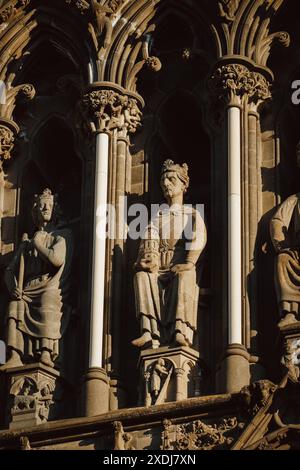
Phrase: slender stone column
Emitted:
{"points": [[96, 379], [234, 227], [98, 263], [108, 109], [238, 86], [181, 385]]}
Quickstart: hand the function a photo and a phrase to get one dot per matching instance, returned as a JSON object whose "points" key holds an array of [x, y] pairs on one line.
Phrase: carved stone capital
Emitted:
{"points": [[235, 84], [8, 132], [108, 109]]}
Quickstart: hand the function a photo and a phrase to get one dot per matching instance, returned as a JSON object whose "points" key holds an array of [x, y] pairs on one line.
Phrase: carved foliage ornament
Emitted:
{"points": [[197, 435], [236, 83], [112, 110], [84, 5], [6, 143], [9, 10], [228, 9]]}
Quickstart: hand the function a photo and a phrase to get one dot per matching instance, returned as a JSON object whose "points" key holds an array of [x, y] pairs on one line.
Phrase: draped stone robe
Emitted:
{"points": [[42, 314], [166, 302], [285, 234]]}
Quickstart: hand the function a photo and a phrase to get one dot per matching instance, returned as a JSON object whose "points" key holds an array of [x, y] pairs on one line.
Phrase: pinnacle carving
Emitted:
{"points": [[235, 84], [111, 110]]}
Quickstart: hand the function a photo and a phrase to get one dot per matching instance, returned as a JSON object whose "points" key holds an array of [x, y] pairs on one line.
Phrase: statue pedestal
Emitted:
{"points": [[290, 347], [34, 393], [169, 374]]}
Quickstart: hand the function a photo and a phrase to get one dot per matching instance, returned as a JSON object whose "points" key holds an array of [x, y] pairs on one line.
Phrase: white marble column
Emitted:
{"points": [[99, 245], [96, 379], [234, 227]]}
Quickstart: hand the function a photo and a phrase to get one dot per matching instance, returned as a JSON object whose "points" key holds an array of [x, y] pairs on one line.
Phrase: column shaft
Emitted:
{"points": [[234, 227], [98, 276], [96, 380]]}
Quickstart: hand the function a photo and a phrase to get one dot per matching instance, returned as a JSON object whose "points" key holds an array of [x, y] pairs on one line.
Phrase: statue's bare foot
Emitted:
{"points": [[13, 361], [180, 339], [289, 319], [142, 340], [46, 359]]}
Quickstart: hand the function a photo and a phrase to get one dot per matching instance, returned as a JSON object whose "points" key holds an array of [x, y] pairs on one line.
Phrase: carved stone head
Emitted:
{"points": [[174, 178], [45, 208]]}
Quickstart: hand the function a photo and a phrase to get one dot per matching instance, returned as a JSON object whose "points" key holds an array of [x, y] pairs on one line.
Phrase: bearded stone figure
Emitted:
{"points": [[285, 235], [38, 280], [166, 288]]}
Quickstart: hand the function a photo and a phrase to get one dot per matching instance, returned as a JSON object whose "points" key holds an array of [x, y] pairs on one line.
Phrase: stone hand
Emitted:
{"points": [[38, 240], [148, 265], [178, 268], [16, 293]]}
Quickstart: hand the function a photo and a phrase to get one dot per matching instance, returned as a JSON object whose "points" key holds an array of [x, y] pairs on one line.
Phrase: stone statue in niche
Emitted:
{"points": [[285, 235], [166, 288], [38, 283]]}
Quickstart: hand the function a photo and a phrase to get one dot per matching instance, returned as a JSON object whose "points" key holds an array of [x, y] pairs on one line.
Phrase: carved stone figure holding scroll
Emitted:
{"points": [[166, 288], [285, 235], [37, 280]]}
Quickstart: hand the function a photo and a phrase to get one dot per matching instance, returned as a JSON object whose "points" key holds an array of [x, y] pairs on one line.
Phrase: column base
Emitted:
{"points": [[169, 374], [235, 368], [96, 392]]}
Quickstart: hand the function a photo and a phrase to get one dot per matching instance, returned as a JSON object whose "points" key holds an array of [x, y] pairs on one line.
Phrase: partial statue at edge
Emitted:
{"points": [[166, 281], [285, 235], [38, 282]]}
